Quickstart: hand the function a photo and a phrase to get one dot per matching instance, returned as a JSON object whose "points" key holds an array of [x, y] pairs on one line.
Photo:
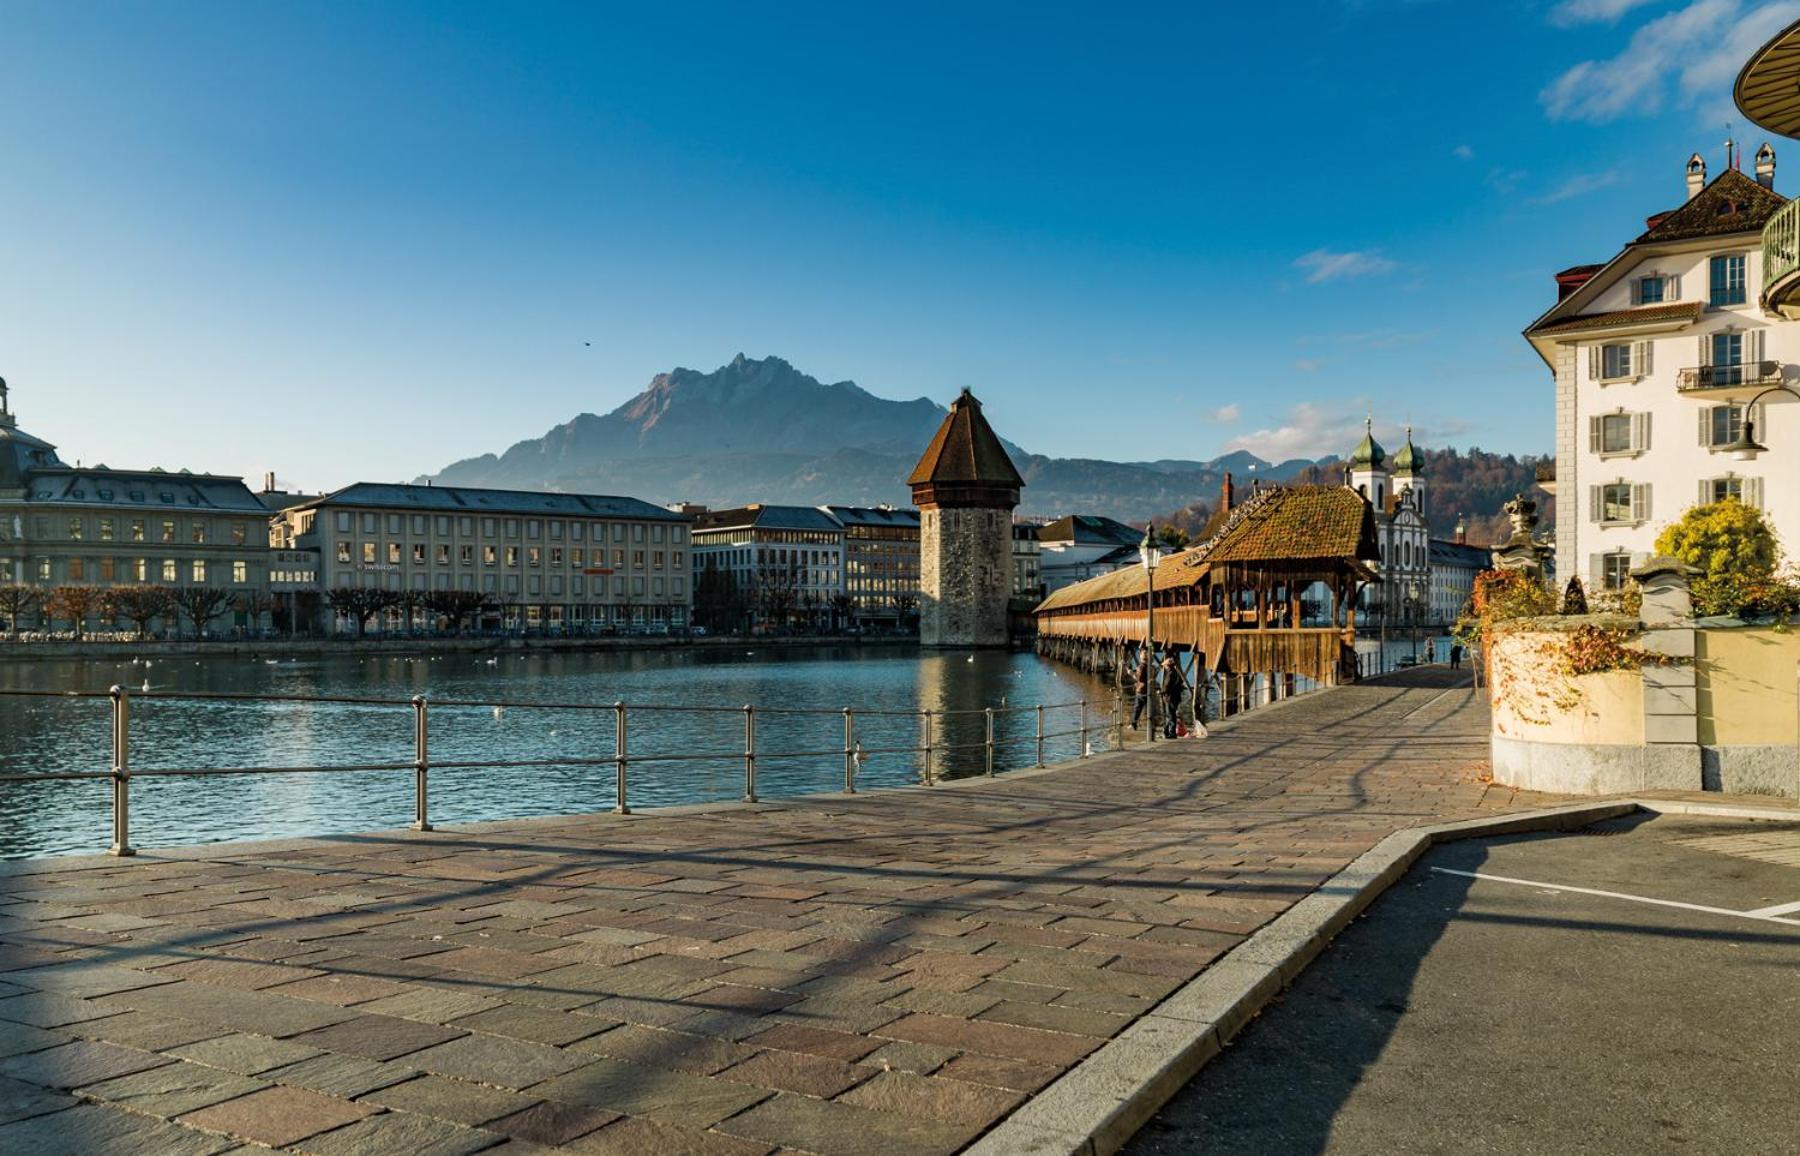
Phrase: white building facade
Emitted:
{"points": [[1402, 593], [1656, 356]]}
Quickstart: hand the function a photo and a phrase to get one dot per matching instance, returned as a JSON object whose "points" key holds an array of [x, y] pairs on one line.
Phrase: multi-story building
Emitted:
{"points": [[63, 525], [1082, 546], [1401, 593], [770, 567], [1028, 563], [1454, 566], [1660, 357], [881, 563], [546, 561]]}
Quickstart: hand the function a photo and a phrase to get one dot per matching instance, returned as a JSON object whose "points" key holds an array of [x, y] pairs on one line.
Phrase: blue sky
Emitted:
{"points": [[361, 241]]}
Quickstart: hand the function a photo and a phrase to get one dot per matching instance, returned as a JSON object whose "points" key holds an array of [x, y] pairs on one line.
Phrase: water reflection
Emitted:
{"points": [[798, 752]]}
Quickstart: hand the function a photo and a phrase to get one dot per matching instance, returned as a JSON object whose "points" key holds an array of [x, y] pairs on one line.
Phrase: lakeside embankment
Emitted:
{"points": [[108, 650]]}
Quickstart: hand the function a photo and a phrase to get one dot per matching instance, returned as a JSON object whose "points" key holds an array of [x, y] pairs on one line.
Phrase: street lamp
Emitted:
{"points": [[1412, 616], [1746, 447], [1150, 556]]}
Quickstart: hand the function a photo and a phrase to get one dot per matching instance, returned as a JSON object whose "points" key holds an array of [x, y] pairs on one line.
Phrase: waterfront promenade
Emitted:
{"points": [[889, 972]]}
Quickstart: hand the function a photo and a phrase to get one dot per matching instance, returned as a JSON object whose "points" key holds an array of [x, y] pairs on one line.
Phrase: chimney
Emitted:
{"points": [[269, 482], [1225, 494], [1696, 175], [1765, 166], [1462, 531]]}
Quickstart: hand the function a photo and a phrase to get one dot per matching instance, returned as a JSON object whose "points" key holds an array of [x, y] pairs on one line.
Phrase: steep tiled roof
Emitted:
{"points": [[1280, 523], [1620, 318], [1733, 203], [965, 451]]}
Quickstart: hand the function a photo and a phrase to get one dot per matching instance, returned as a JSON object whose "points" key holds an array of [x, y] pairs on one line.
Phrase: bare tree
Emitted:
{"points": [[75, 603], [140, 605], [202, 604], [254, 604], [457, 605], [16, 601], [361, 603], [842, 607]]}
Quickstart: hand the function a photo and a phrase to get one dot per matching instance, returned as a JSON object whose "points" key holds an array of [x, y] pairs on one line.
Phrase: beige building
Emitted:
{"points": [[881, 562], [63, 525], [546, 561]]}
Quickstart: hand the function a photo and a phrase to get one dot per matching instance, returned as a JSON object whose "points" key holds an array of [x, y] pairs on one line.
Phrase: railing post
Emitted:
{"points": [[620, 758], [749, 754], [421, 761], [989, 752], [1040, 734], [930, 774], [849, 752], [121, 771], [1085, 752]]}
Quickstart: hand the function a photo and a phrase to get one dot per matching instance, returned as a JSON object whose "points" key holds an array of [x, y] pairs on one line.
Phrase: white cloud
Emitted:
{"points": [[1578, 185], [1311, 430], [1463, 153], [1701, 46], [1227, 414], [1324, 265], [1572, 12], [1308, 364]]}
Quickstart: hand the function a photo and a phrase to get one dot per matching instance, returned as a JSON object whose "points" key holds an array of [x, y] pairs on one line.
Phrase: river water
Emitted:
{"points": [[39, 735]]}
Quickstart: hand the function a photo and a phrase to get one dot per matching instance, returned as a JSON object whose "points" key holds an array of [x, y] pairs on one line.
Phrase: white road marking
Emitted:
{"points": [[1766, 915], [1778, 909]]}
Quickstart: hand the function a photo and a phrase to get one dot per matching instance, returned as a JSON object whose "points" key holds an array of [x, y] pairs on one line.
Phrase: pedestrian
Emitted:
{"points": [[1140, 689], [1430, 651], [1456, 656], [1174, 688]]}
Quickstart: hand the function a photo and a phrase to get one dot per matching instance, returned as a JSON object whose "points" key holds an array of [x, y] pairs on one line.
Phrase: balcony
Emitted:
{"points": [[1781, 262], [1728, 382]]}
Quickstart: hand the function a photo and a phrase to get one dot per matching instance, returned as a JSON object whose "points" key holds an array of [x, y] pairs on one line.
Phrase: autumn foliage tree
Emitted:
{"points": [[1735, 553], [16, 601], [140, 605], [76, 604]]}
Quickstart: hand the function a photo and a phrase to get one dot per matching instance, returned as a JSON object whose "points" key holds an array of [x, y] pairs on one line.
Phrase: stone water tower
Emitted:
{"points": [[966, 488]]}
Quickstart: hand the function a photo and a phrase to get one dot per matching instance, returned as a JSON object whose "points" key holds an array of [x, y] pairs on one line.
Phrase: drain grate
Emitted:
{"points": [[1778, 846]]}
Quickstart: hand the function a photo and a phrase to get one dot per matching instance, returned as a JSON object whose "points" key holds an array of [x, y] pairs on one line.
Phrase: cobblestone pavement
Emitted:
{"points": [[889, 972]]}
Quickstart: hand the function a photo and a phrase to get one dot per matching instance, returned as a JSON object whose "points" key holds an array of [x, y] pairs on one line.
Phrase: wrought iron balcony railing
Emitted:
{"points": [[1749, 373]]}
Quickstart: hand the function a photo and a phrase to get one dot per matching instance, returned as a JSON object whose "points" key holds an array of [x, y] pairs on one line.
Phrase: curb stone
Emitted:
{"points": [[1098, 1106]]}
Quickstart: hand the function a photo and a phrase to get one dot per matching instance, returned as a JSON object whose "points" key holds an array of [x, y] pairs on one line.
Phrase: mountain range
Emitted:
{"points": [[759, 430]]}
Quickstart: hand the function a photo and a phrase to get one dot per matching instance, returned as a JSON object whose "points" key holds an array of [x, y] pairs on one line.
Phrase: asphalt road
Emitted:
{"points": [[1471, 1015]]}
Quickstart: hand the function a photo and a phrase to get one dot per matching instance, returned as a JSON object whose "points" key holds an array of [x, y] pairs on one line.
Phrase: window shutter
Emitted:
{"points": [[1705, 497], [1705, 350], [1754, 414], [1594, 503], [1640, 432], [1753, 493], [1706, 428], [1640, 502], [1594, 362], [1753, 345], [1640, 359], [1593, 435], [1596, 571], [1671, 288], [1637, 290]]}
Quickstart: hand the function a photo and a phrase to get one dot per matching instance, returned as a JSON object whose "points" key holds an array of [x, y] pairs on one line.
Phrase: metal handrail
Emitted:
{"points": [[1723, 376], [1781, 248], [422, 763]]}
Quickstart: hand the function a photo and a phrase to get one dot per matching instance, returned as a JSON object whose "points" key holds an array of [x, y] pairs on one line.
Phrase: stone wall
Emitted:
{"points": [[965, 576]]}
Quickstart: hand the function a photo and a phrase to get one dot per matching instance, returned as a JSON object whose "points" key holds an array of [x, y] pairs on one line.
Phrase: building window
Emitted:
{"points": [[1719, 489], [240, 572], [534, 555], [1727, 280], [393, 553], [1650, 290], [1727, 350], [169, 572], [168, 531], [556, 554], [343, 552], [198, 570], [1615, 361], [198, 532], [1620, 503], [239, 533], [1615, 570], [418, 553], [137, 529], [140, 570], [108, 570], [77, 570], [1611, 434], [512, 555], [106, 529], [368, 553], [343, 521], [75, 529], [489, 556], [1720, 425]]}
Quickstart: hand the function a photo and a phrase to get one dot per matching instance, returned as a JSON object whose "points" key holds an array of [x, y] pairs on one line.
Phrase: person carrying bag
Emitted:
{"points": [[1174, 688]]}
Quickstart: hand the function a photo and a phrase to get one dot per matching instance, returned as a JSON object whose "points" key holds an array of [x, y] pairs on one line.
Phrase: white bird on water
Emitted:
{"points": [[499, 711]]}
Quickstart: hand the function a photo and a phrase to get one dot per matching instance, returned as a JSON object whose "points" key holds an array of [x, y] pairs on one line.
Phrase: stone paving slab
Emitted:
{"points": [[891, 971]]}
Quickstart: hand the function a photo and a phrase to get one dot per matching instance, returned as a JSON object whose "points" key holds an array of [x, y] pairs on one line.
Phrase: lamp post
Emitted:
{"points": [[1412, 616], [1150, 556], [1746, 447]]}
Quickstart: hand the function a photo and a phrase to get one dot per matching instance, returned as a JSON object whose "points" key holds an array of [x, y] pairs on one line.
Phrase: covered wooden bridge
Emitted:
{"points": [[1272, 592]]}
